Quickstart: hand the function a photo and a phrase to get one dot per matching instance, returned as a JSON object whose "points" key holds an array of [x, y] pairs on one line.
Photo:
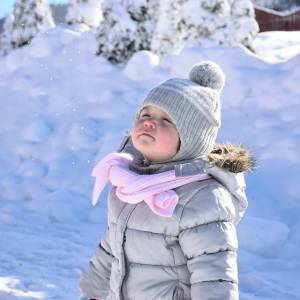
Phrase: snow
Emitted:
{"points": [[269, 235], [277, 46], [141, 66], [88, 12], [62, 109], [39, 48]]}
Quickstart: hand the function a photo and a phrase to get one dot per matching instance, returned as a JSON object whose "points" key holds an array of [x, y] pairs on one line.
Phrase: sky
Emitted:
{"points": [[6, 6]]}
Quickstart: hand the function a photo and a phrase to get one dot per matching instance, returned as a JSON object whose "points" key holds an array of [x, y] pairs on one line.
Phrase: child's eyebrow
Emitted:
{"points": [[144, 111]]}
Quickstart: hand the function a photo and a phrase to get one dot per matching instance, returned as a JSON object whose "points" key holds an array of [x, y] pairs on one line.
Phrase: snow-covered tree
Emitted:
{"points": [[29, 18], [144, 14], [166, 26], [201, 19], [126, 28], [167, 36], [116, 35], [88, 12], [5, 45], [243, 27], [224, 21]]}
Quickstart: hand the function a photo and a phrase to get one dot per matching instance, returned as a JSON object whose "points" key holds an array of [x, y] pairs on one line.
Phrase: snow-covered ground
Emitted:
{"points": [[277, 46], [62, 109]]}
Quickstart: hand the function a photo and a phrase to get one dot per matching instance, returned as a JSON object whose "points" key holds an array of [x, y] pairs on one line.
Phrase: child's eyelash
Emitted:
{"points": [[147, 115]]}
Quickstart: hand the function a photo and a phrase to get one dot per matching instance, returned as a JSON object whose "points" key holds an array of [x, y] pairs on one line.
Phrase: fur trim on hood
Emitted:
{"points": [[232, 158]]}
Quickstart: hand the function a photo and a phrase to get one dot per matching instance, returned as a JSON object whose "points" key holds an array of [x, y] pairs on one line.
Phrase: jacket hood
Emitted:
{"points": [[229, 162]]}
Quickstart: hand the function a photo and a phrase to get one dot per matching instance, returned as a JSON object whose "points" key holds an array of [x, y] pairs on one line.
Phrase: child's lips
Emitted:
{"points": [[147, 134]]}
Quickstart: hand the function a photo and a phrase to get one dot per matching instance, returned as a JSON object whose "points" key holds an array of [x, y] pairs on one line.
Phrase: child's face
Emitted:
{"points": [[154, 134]]}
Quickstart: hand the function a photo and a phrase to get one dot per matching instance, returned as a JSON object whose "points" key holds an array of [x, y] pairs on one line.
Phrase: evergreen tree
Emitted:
{"points": [[243, 27], [5, 35], [166, 26], [116, 34], [29, 18], [88, 12], [126, 28], [224, 21], [201, 19], [144, 14], [166, 36]]}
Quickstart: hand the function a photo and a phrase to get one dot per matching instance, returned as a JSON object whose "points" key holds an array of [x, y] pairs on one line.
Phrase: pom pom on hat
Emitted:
{"points": [[208, 74]]}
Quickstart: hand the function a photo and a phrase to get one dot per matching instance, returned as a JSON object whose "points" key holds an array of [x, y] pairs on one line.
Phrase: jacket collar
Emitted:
{"points": [[141, 165], [228, 157]]}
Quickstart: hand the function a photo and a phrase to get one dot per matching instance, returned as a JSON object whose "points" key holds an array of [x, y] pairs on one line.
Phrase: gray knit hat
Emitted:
{"points": [[194, 106]]}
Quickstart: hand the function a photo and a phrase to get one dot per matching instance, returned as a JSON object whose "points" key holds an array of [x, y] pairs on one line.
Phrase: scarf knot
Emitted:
{"points": [[155, 190]]}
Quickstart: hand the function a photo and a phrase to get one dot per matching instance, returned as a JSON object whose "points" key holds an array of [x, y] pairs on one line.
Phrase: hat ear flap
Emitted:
{"points": [[124, 142]]}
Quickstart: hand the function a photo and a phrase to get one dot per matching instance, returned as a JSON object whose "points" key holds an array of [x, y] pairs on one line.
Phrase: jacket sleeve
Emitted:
{"points": [[94, 281], [208, 239]]}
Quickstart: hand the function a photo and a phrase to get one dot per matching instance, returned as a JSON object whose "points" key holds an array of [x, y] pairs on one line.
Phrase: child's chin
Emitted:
{"points": [[144, 144]]}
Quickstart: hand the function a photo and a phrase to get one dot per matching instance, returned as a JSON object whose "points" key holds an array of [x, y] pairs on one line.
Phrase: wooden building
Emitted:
{"points": [[271, 20]]}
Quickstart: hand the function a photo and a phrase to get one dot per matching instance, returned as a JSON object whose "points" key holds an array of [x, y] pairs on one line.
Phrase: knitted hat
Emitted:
{"points": [[194, 106]]}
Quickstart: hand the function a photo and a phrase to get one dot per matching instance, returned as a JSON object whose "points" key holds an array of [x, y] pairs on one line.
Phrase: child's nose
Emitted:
{"points": [[149, 123]]}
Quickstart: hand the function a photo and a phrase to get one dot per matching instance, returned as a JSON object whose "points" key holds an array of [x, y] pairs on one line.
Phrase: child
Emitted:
{"points": [[175, 199]]}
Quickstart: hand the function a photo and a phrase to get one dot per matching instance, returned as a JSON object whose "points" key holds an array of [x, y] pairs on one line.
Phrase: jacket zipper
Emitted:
{"points": [[124, 256]]}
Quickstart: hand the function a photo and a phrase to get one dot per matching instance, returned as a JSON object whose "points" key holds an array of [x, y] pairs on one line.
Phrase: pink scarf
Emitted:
{"points": [[155, 190]]}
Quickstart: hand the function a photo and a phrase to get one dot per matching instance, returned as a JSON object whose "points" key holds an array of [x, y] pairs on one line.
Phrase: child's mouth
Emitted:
{"points": [[147, 134]]}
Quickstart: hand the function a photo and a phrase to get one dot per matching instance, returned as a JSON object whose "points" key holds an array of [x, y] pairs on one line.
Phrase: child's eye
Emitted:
{"points": [[167, 120], [145, 115]]}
